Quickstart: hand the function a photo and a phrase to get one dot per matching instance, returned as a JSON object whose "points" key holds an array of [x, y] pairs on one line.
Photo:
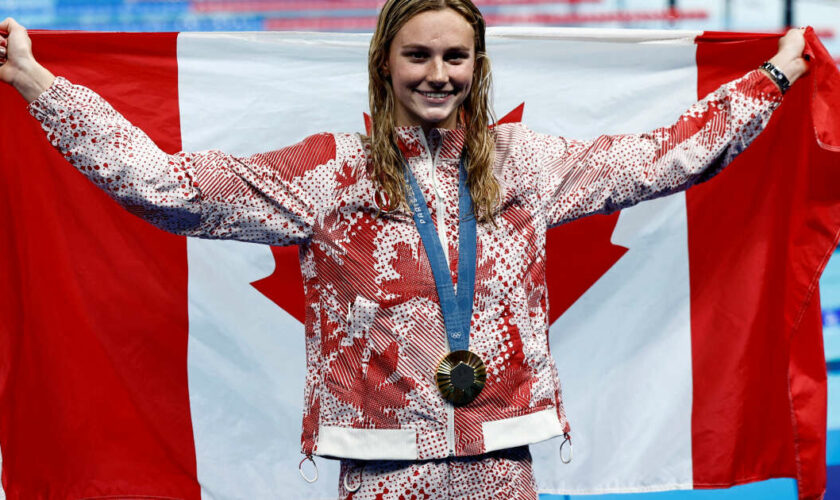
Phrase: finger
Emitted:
{"points": [[9, 27], [6, 25]]}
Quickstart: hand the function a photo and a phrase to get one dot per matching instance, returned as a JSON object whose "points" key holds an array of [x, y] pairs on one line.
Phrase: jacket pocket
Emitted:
{"points": [[350, 358], [360, 318]]}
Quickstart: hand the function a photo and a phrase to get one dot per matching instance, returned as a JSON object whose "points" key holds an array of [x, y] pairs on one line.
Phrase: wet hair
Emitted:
{"points": [[385, 163]]}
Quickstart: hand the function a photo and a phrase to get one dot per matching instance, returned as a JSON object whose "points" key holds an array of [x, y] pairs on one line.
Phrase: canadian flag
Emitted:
{"points": [[686, 330]]}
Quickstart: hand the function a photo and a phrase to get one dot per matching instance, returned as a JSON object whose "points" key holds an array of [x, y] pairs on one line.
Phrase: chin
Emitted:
{"points": [[438, 119]]}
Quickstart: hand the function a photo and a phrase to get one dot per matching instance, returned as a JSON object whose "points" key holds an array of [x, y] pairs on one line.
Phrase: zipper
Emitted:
{"points": [[440, 211], [450, 428], [440, 207]]}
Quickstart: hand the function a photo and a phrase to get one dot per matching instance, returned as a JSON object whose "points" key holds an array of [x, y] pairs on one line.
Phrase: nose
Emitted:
{"points": [[437, 73]]}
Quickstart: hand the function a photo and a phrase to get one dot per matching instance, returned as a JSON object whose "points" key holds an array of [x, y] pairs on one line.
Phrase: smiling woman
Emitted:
{"points": [[422, 388], [430, 66]]}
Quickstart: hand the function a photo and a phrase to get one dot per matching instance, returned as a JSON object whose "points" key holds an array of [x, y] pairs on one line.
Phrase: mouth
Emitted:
{"points": [[437, 97]]}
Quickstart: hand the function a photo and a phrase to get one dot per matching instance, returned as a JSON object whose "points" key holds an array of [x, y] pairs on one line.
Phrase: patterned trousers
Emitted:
{"points": [[503, 474]]}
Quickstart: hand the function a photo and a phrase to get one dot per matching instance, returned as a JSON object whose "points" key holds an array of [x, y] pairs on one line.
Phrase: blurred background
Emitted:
{"points": [[360, 16]]}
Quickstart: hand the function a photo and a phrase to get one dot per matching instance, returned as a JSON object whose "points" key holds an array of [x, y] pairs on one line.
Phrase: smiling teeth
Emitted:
{"points": [[435, 95]]}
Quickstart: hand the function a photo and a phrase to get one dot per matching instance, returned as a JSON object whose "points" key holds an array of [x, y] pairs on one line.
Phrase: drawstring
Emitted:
{"points": [[354, 488], [567, 438], [303, 474]]}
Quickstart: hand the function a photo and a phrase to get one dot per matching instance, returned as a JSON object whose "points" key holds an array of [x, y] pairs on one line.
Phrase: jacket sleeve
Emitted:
{"points": [[271, 198], [578, 178]]}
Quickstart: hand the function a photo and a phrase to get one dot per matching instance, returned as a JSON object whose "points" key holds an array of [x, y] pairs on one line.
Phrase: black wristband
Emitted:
{"points": [[777, 75]]}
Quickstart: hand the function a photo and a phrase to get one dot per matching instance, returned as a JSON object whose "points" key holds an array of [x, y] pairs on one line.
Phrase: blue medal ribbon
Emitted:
{"points": [[456, 306]]}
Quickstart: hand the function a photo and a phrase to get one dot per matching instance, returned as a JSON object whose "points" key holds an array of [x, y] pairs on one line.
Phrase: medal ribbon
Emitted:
{"points": [[456, 306]]}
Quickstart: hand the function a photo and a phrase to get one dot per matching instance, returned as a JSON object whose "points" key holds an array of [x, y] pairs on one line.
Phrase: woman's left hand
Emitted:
{"points": [[789, 57]]}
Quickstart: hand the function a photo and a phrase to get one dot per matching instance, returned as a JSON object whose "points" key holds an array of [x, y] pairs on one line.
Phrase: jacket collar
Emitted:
{"points": [[445, 143]]}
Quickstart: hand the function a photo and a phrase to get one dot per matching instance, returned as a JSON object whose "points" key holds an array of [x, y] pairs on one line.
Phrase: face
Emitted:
{"points": [[431, 63]]}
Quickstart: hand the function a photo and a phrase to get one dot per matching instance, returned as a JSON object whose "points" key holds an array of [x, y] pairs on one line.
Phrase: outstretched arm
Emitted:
{"points": [[269, 198], [609, 173]]}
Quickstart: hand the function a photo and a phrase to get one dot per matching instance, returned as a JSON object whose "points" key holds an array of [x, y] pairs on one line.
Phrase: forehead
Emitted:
{"points": [[443, 28]]}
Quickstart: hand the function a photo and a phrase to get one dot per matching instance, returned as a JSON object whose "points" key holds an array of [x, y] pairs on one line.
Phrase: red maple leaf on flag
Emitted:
{"points": [[284, 286]]}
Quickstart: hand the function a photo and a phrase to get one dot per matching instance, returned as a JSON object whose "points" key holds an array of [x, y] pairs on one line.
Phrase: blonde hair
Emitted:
{"points": [[385, 163]]}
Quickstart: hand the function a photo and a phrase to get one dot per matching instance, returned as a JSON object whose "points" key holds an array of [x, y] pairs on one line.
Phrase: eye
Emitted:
{"points": [[456, 57], [417, 55]]}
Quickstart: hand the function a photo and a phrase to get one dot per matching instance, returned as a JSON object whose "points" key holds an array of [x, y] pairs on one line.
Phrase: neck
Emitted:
{"points": [[451, 122]]}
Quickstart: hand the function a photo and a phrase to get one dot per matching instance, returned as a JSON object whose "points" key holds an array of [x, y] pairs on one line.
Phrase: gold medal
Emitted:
{"points": [[460, 377]]}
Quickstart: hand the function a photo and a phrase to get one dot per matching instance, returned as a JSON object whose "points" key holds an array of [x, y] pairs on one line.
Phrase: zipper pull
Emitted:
{"points": [[567, 438], [352, 488], [303, 474]]}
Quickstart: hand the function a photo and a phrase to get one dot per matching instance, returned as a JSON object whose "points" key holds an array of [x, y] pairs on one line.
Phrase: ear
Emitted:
{"points": [[386, 71]]}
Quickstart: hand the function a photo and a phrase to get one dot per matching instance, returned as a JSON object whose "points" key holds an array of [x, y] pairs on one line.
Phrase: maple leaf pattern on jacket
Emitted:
{"points": [[377, 389], [498, 475]]}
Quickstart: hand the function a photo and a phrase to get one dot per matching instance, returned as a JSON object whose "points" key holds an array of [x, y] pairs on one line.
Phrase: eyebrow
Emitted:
{"points": [[415, 46]]}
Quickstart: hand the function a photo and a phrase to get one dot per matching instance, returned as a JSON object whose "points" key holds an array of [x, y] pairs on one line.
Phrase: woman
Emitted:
{"points": [[428, 371]]}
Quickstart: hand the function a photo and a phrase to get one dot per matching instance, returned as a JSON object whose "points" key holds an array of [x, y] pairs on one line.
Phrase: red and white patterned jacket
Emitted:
{"points": [[374, 329]]}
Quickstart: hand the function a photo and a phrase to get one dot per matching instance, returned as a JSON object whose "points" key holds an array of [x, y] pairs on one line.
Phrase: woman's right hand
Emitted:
{"points": [[18, 66]]}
